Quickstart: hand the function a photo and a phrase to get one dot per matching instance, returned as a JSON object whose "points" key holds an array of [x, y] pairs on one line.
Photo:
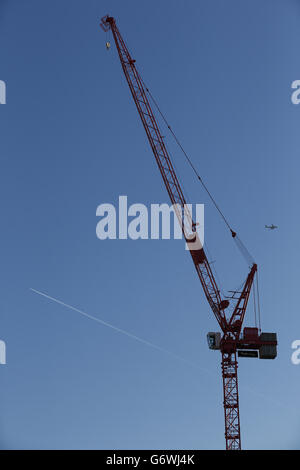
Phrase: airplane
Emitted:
{"points": [[271, 227]]}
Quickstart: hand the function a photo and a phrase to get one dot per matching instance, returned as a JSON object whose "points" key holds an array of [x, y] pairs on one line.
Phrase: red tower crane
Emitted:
{"points": [[232, 342]]}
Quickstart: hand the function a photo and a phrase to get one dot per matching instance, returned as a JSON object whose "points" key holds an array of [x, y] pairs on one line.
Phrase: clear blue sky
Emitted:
{"points": [[71, 140]]}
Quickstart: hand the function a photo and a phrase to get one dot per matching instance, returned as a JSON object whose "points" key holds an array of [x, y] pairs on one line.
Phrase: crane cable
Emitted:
{"points": [[245, 253], [254, 305], [240, 245], [258, 301]]}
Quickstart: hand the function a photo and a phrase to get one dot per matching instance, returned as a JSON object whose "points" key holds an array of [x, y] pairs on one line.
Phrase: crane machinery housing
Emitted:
{"points": [[232, 341]]}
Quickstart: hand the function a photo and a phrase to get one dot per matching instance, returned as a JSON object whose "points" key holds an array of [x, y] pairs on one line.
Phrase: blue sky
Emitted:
{"points": [[71, 140]]}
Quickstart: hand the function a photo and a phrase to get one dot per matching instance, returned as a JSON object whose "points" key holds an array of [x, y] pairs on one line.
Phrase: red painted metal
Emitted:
{"points": [[229, 344], [231, 327], [231, 401]]}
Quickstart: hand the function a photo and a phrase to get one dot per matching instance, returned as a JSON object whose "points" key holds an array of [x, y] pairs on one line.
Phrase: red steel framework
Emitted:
{"points": [[231, 327]]}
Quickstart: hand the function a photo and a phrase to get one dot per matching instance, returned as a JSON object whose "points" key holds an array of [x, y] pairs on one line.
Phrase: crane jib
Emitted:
{"points": [[163, 160]]}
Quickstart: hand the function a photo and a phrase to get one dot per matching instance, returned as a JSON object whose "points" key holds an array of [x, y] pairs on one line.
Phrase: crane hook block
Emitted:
{"points": [[108, 45]]}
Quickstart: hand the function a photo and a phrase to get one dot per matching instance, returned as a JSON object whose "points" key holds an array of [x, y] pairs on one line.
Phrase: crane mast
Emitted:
{"points": [[231, 327]]}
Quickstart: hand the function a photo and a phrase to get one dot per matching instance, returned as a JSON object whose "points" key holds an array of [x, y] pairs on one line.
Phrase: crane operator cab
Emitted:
{"points": [[213, 340]]}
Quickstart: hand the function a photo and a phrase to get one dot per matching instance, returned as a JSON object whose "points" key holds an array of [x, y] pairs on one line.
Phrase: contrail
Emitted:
{"points": [[120, 330], [147, 343]]}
